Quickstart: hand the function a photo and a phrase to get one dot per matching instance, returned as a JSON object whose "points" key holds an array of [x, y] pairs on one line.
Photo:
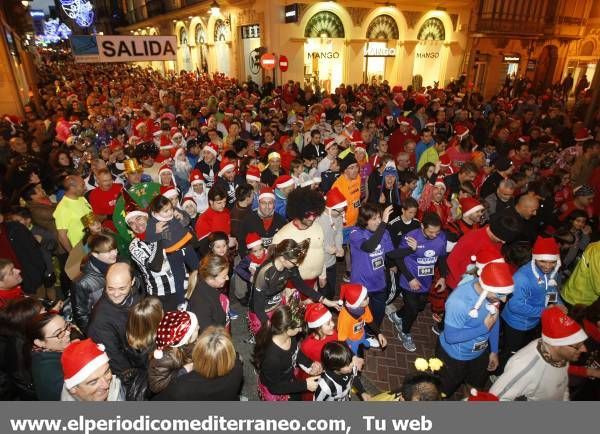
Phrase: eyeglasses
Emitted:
{"points": [[61, 333]]}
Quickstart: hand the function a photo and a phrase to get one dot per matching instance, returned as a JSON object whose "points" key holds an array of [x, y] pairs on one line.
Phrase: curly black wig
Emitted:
{"points": [[303, 201]]}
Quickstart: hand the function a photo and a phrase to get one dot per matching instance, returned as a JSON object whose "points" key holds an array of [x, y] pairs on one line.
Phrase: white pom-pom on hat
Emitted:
{"points": [[158, 354]]}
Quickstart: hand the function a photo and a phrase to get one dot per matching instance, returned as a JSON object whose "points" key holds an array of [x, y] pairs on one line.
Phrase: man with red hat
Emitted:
{"points": [[399, 137], [283, 185], [468, 346], [472, 210], [226, 180], [87, 374], [539, 371], [536, 288], [209, 165], [197, 191]]}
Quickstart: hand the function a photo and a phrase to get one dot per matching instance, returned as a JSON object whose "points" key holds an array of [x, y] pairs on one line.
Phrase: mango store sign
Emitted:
{"points": [[114, 48], [379, 52]]}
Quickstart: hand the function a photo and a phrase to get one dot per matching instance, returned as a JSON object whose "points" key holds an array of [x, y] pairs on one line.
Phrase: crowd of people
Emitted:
{"points": [[141, 214]]}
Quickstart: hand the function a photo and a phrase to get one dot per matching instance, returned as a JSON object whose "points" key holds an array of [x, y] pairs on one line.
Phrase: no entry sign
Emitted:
{"points": [[267, 61], [283, 63]]}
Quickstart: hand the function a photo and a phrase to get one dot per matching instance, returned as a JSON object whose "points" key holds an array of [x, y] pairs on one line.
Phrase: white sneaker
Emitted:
{"points": [[373, 342]]}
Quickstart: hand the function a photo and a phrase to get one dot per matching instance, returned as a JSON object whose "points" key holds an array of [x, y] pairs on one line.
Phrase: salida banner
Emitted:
{"points": [[113, 48], [117, 48]]}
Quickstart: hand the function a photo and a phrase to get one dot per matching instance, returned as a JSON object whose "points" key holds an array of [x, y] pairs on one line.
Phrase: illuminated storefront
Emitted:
{"points": [[380, 51], [430, 53]]}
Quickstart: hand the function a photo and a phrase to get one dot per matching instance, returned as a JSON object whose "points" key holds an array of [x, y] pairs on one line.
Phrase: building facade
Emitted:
{"points": [[326, 43], [538, 39]]}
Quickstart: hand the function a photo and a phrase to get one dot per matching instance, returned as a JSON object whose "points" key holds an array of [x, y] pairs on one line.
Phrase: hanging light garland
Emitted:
{"points": [[80, 11], [54, 31]]}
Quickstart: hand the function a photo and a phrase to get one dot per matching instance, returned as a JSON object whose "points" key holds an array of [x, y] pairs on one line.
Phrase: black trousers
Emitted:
{"points": [[414, 302], [328, 291], [455, 372], [377, 305], [512, 340]]}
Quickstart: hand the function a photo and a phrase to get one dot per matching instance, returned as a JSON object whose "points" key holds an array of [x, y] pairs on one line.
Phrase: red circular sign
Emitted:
{"points": [[283, 63], [267, 61]]}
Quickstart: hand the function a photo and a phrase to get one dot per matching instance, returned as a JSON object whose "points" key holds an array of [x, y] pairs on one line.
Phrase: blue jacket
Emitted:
{"points": [[280, 203], [530, 297], [465, 338]]}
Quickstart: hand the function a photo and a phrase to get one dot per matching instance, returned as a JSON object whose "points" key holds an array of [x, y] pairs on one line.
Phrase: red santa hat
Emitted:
{"points": [[226, 166], [188, 199], [524, 139], [80, 359], [316, 314], [253, 240], [404, 121], [546, 249], [115, 144], [132, 209], [496, 277], [335, 199], [558, 329], [461, 131], [348, 120], [329, 142], [469, 206], [165, 143], [212, 148], [583, 134], [164, 169], [284, 181], [168, 191], [477, 395], [174, 330], [353, 294], [439, 182], [253, 174], [196, 177], [487, 256], [266, 193]]}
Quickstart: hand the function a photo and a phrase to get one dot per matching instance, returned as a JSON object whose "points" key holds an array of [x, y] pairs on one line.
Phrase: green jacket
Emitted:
{"points": [[583, 286], [47, 374]]}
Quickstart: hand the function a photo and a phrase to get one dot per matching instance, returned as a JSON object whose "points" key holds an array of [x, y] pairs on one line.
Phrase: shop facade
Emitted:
{"points": [[326, 43]]}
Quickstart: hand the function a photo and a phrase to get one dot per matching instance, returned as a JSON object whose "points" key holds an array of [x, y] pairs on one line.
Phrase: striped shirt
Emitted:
{"points": [[158, 284]]}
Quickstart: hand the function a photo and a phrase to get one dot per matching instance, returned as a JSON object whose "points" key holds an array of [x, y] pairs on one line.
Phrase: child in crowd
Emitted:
{"points": [[176, 238], [257, 254], [175, 339], [355, 317], [191, 209], [339, 375]]}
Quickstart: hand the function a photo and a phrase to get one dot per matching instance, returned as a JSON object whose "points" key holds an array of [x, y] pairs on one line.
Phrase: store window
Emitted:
{"points": [[202, 49], [222, 36], [382, 34], [429, 52], [186, 58], [324, 51]]}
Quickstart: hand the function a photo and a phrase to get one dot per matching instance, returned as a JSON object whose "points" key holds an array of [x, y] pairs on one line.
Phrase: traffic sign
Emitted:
{"points": [[267, 61], [283, 63]]}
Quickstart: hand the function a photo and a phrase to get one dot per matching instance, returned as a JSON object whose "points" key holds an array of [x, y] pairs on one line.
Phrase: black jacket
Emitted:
{"points": [[253, 223], [193, 387], [87, 290], [205, 303], [108, 325]]}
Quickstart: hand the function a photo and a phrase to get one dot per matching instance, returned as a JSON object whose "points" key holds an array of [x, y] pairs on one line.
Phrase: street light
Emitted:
{"points": [[25, 3], [214, 8]]}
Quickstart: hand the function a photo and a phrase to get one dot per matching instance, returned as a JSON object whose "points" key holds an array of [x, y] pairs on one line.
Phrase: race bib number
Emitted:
{"points": [[356, 204], [551, 298], [267, 241], [425, 271], [377, 263], [480, 346], [358, 327]]}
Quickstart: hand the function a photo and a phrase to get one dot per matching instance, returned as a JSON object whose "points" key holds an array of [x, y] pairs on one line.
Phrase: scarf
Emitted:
{"points": [[547, 357], [356, 312], [7, 295], [101, 266], [552, 281]]}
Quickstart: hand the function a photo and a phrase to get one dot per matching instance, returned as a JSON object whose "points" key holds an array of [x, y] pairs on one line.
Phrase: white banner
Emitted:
{"points": [[117, 48]]}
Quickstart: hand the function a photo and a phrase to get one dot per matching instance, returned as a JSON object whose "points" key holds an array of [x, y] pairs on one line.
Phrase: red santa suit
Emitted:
{"points": [[103, 202]]}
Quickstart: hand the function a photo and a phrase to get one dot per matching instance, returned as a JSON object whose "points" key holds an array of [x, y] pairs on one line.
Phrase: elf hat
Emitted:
{"points": [[558, 329], [470, 206], [196, 177], [80, 359], [496, 277], [175, 330], [316, 315], [284, 181], [132, 209], [226, 166], [353, 294], [266, 193], [253, 174], [477, 395], [253, 240], [212, 148]]}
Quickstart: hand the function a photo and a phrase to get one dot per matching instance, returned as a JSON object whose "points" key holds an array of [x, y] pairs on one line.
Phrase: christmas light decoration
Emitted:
{"points": [[54, 31], [81, 11]]}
